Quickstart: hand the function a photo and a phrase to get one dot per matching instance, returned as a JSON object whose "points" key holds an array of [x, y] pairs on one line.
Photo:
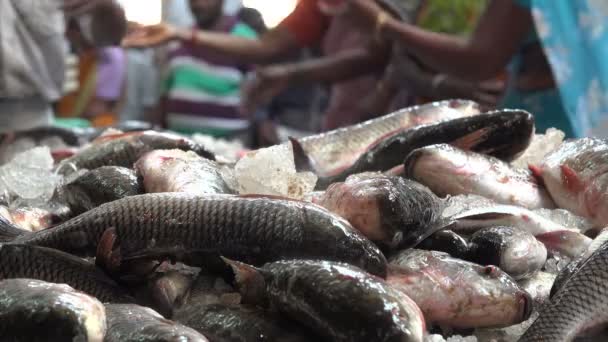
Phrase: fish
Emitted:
{"points": [[339, 302], [9, 231], [448, 170], [125, 149], [502, 134], [254, 229], [557, 238], [180, 171], [515, 251], [457, 293], [32, 219], [242, 323], [130, 322], [32, 262], [339, 149], [102, 185], [34, 310], [539, 287], [573, 265], [576, 176], [390, 211], [448, 242], [578, 306]]}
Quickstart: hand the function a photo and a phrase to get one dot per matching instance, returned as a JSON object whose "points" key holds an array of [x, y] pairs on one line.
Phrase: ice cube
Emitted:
{"points": [[223, 149], [53, 142], [541, 145], [30, 174], [508, 334], [556, 263], [272, 171], [566, 219], [458, 338], [434, 338], [539, 286]]}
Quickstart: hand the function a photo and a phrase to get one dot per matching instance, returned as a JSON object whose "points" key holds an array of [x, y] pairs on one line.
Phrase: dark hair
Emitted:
{"points": [[253, 18]]}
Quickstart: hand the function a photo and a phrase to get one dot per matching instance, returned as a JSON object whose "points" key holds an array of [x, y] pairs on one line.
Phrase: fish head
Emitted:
{"points": [[503, 134], [351, 246], [432, 165]]}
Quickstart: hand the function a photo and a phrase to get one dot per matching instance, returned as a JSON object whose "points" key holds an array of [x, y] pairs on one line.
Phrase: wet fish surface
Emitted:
{"points": [[556, 238], [576, 176], [99, 186], [180, 171], [338, 301], [32, 262], [251, 229], [33, 310], [456, 293], [339, 149], [515, 251], [448, 170], [502, 134], [578, 306], [391, 211], [242, 323], [128, 322], [124, 150]]}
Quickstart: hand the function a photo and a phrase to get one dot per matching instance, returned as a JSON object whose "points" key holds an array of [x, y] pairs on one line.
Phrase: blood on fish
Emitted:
{"points": [[571, 180]]}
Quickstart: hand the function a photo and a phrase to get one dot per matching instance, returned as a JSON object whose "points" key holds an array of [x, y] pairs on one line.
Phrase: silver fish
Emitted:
{"points": [[180, 171], [448, 170], [456, 293], [576, 175], [339, 149]]}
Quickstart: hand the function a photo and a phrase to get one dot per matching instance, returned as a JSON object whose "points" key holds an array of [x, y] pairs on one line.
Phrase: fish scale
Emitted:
{"points": [[581, 303], [153, 224], [20, 261]]}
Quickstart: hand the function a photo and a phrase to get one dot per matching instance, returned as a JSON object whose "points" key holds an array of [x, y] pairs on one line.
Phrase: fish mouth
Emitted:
{"points": [[526, 305]]}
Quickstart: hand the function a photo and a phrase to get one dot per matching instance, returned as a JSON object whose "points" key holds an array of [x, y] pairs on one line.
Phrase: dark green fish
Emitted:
{"points": [[251, 229]]}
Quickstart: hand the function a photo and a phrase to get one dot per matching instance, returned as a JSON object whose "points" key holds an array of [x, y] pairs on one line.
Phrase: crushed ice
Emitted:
{"points": [[225, 149], [272, 171], [541, 145], [29, 175]]}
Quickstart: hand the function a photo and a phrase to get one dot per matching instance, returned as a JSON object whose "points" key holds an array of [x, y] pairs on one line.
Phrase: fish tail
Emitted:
{"points": [[8, 231], [303, 161], [249, 280]]}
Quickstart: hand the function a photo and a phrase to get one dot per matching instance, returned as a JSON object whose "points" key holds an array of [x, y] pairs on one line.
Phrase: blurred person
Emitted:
{"points": [[101, 77], [253, 18], [505, 35], [141, 86], [33, 53], [201, 91]]}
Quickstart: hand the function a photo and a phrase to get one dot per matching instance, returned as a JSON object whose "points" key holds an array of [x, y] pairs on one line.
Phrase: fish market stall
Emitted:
{"points": [[434, 223]]}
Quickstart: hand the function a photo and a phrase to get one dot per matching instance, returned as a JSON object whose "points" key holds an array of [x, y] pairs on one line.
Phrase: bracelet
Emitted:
{"points": [[381, 20], [437, 81]]}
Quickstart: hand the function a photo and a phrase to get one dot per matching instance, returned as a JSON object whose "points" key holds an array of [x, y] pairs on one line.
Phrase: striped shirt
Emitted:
{"points": [[202, 89]]}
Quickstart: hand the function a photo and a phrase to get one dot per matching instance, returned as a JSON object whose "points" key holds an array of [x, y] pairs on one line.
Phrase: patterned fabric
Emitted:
{"points": [[203, 88], [575, 39]]}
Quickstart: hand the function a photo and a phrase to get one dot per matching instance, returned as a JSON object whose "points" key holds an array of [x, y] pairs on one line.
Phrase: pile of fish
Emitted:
{"points": [[420, 228]]}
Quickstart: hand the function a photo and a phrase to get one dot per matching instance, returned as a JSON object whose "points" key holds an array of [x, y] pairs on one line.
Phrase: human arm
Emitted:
{"points": [[268, 82], [499, 33]]}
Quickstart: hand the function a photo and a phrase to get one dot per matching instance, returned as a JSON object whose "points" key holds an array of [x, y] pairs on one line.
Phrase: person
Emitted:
{"points": [[101, 76], [480, 57], [201, 92], [33, 53]]}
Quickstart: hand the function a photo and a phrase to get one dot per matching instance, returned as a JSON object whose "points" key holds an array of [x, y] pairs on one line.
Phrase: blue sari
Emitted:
{"points": [[574, 35]]}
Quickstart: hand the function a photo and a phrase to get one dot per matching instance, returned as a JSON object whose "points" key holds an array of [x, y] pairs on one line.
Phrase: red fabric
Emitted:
{"points": [[306, 23]]}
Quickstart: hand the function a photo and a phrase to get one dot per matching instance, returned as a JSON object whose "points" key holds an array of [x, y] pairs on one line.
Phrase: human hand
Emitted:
{"points": [[365, 13], [262, 87], [153, 35]]}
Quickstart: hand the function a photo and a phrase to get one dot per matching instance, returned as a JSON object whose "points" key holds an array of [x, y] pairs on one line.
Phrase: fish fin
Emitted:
{"points": [[304, 163], [566, 242], [9, 231], [571, 180], [537, 171], [108, 252], [249, 280], [397, 171], [472, 139], [475, 215]]}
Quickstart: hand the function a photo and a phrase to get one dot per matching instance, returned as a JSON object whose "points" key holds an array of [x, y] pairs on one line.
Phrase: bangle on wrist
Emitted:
{"points": [[381, 20], [437, 81]]}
